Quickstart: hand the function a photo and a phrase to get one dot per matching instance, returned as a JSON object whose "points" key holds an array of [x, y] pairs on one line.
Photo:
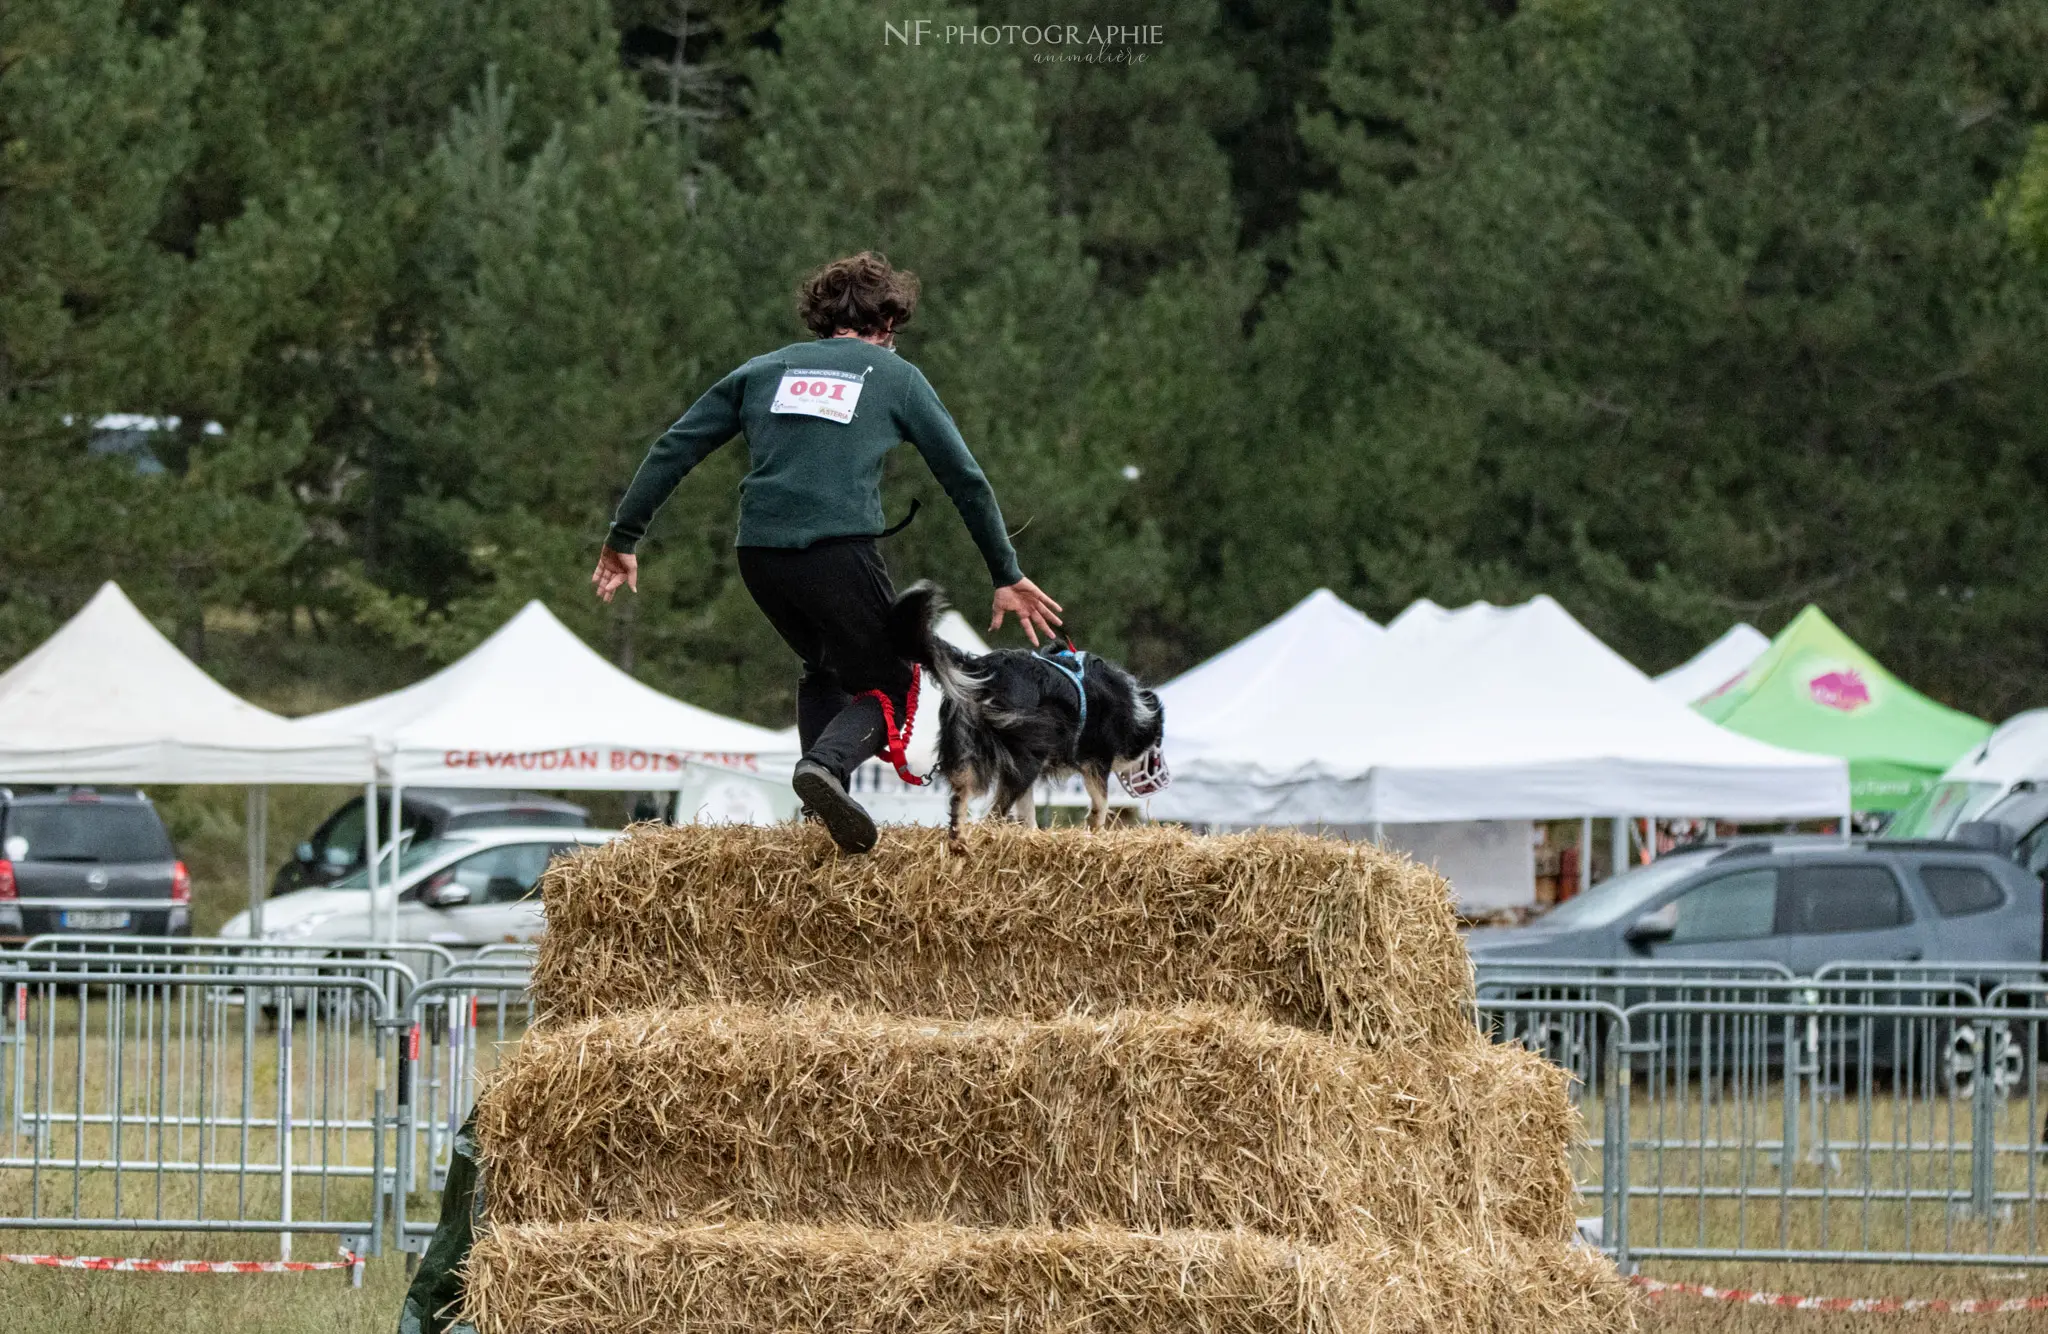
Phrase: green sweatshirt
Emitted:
{"points": [[818, 418]]}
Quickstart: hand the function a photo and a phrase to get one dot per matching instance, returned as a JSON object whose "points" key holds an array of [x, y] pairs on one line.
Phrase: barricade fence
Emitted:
{"points": [[1871, 1112], [195, 1093]]}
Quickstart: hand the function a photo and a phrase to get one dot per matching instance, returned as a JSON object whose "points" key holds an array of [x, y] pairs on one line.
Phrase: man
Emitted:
{"points": [[819, 417]]}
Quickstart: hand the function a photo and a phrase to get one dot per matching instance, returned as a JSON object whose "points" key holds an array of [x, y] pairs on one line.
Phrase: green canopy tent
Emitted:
{"points": [[1814, 689]]}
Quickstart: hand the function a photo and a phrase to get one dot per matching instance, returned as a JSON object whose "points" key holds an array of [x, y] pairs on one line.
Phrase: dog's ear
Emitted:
{"points": [[1149, 716]]}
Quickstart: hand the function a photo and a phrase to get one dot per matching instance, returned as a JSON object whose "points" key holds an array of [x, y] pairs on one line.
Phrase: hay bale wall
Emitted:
{"points": [[614, 1278], [1192, 1118], [1085, 1084], [1311, 932]]}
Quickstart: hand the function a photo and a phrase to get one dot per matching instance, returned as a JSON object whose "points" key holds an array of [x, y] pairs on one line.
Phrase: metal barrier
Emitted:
{"points": [[193, 1097], [505, 953], [1641, 968], [1873, 1112], [1533, 1022], [454, 1027], [1886, 1111], [1835, 1130], [422, 959]]}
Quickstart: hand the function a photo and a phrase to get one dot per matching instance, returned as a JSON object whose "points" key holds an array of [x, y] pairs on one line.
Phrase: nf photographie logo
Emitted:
{"points": [[1050, 40]]}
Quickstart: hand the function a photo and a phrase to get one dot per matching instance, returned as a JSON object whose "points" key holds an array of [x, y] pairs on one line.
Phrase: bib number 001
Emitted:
{"points": [[828, 394]]}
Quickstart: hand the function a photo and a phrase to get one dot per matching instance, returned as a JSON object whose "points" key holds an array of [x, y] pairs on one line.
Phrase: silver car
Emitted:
{"points": [[464, 891]]}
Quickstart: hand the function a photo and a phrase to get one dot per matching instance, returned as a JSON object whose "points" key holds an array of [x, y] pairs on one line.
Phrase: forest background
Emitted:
{"points": [[1682, 311]]}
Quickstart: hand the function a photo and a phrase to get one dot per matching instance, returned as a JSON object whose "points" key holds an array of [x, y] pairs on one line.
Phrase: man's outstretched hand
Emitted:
{"points": [[1036, 612], [614, 569]]}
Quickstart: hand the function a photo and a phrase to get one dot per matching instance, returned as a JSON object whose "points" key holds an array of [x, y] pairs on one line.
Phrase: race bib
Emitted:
{"points": [[828, 394]]}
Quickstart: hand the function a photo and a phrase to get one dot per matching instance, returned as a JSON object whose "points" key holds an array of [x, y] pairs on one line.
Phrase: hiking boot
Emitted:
{"points": [[822, 792]]}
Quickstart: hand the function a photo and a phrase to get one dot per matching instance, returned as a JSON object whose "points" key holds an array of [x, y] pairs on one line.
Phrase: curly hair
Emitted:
{"points": [[860, 292]]}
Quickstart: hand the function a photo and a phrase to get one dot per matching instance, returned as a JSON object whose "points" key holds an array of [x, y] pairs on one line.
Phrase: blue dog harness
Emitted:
{"points": [[1149, 775], [1061, 658]]}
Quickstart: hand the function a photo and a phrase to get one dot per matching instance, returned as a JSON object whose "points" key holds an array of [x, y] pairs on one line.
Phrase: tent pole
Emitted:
{"points": [[1585, 853], [1379, 831], [1618, 853], [1848, 822], [371, 852], [397, 827], [256, 829], [682, 781]]}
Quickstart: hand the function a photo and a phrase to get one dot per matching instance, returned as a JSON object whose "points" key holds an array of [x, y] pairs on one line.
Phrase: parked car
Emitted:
{"points": [[335, 849], [468, 889], [90, 860], [2015, 823], [1800, 902]]}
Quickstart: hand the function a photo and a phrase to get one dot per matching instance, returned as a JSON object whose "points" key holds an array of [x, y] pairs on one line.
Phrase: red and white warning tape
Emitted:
{"points": [[1864, 1305], [349, 1260]]}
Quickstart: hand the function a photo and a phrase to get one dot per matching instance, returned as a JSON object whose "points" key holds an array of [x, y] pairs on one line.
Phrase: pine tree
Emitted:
{"points": [[577, 292], [1711, 305], [351, 98], [933, 154], [98, 315]]}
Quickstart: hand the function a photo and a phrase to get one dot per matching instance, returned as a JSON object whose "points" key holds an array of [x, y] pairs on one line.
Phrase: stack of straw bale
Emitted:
{"points": [[1112, 1083]]}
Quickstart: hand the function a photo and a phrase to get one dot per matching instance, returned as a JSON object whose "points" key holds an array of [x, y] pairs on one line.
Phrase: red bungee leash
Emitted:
{"points": [[896, 742]]}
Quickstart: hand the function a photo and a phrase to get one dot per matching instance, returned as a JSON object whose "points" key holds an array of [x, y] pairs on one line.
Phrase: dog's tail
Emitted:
{"points": [[911, 618]]}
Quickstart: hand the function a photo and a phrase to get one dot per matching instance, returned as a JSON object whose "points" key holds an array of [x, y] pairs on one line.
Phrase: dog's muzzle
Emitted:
{"points": [[1147, 775]]}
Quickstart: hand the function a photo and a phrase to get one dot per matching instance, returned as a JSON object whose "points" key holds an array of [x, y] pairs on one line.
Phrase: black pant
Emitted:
{"points": [[830, 602]]}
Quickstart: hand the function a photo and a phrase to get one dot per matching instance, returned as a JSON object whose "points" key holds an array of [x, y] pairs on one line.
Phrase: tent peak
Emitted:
{"points": [[1323, 599]]}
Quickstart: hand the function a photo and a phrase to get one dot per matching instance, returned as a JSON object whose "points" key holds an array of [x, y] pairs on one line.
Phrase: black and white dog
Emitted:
{"points": [[1015, 715]]}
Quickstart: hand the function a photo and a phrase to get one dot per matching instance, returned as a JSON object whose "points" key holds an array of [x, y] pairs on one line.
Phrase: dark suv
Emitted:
{"points": [[85, 859], [1800, 902], [336, 847]]}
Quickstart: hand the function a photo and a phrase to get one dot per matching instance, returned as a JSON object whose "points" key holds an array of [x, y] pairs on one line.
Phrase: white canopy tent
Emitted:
{"points": [[533, 706], [1324, 644], [1252, 672], [1481, 714], [1487, 862], [1716, 665], [108, 699]]}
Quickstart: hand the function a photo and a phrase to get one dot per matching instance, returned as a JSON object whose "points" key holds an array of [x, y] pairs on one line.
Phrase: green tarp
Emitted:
{"points": [[1815, 690], [436, 1290]]}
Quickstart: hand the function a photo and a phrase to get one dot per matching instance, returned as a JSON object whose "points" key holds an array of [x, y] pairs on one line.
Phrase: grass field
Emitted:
{"points": [[57, 1302], [44, 1301], [60, 1302], [1679, 1314]]}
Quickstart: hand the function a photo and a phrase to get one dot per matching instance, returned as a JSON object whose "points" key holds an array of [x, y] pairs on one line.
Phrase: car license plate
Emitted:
{"points": [[94, 921]]}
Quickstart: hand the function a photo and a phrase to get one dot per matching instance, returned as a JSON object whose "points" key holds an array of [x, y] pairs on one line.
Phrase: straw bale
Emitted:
{"points": [[1143, 1119], [1307, 931], [1525, 1128], [622, 1278]]}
